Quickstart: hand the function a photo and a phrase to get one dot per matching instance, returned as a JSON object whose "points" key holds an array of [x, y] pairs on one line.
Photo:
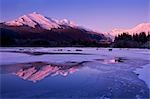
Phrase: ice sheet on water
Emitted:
{"points": [[86, 79], [103, 69], [144, 74]]}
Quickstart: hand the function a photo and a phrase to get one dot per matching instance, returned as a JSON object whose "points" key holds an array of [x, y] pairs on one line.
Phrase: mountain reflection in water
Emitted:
{"points": [[37, 71], [88, 79]]}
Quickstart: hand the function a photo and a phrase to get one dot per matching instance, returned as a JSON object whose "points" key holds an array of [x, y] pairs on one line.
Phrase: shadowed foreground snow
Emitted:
{"points": [[75, 73]]}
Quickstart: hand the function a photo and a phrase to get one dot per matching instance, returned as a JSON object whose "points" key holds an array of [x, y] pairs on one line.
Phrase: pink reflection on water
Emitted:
{"points": [[36, 73]]}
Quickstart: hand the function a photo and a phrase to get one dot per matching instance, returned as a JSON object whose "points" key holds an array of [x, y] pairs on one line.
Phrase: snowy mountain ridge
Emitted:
{"points": [[34, 19], [37, 30], [143, 27]]}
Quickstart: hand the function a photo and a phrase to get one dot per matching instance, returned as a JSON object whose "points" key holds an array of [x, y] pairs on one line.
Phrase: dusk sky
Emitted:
{"points": [[101, 15]]}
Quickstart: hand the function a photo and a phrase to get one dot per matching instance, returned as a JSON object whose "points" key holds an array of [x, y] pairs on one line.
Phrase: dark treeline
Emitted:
{"points": [[126, 40]]}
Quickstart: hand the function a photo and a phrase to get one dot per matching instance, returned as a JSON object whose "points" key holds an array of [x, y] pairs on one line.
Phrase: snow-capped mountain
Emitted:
{"points": [[37, 30], [35, 19], [143, 27]]}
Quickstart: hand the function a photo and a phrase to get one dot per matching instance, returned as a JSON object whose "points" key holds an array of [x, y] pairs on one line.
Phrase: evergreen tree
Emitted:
{"points": [[135, 40], [142, 37]]}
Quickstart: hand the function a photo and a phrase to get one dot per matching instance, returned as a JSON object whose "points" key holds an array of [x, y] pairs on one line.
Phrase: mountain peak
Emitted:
{"points": [[35, 19], [143, 27], [35, 12], [67, 22]]}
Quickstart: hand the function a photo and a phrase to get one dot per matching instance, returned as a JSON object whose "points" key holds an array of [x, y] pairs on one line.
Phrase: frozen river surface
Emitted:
{"points": [[73, 73]]}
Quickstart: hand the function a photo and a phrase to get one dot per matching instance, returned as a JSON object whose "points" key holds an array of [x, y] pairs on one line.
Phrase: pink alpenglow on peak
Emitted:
{"points": [[143, 27], [34, 19], [67, 22]]}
